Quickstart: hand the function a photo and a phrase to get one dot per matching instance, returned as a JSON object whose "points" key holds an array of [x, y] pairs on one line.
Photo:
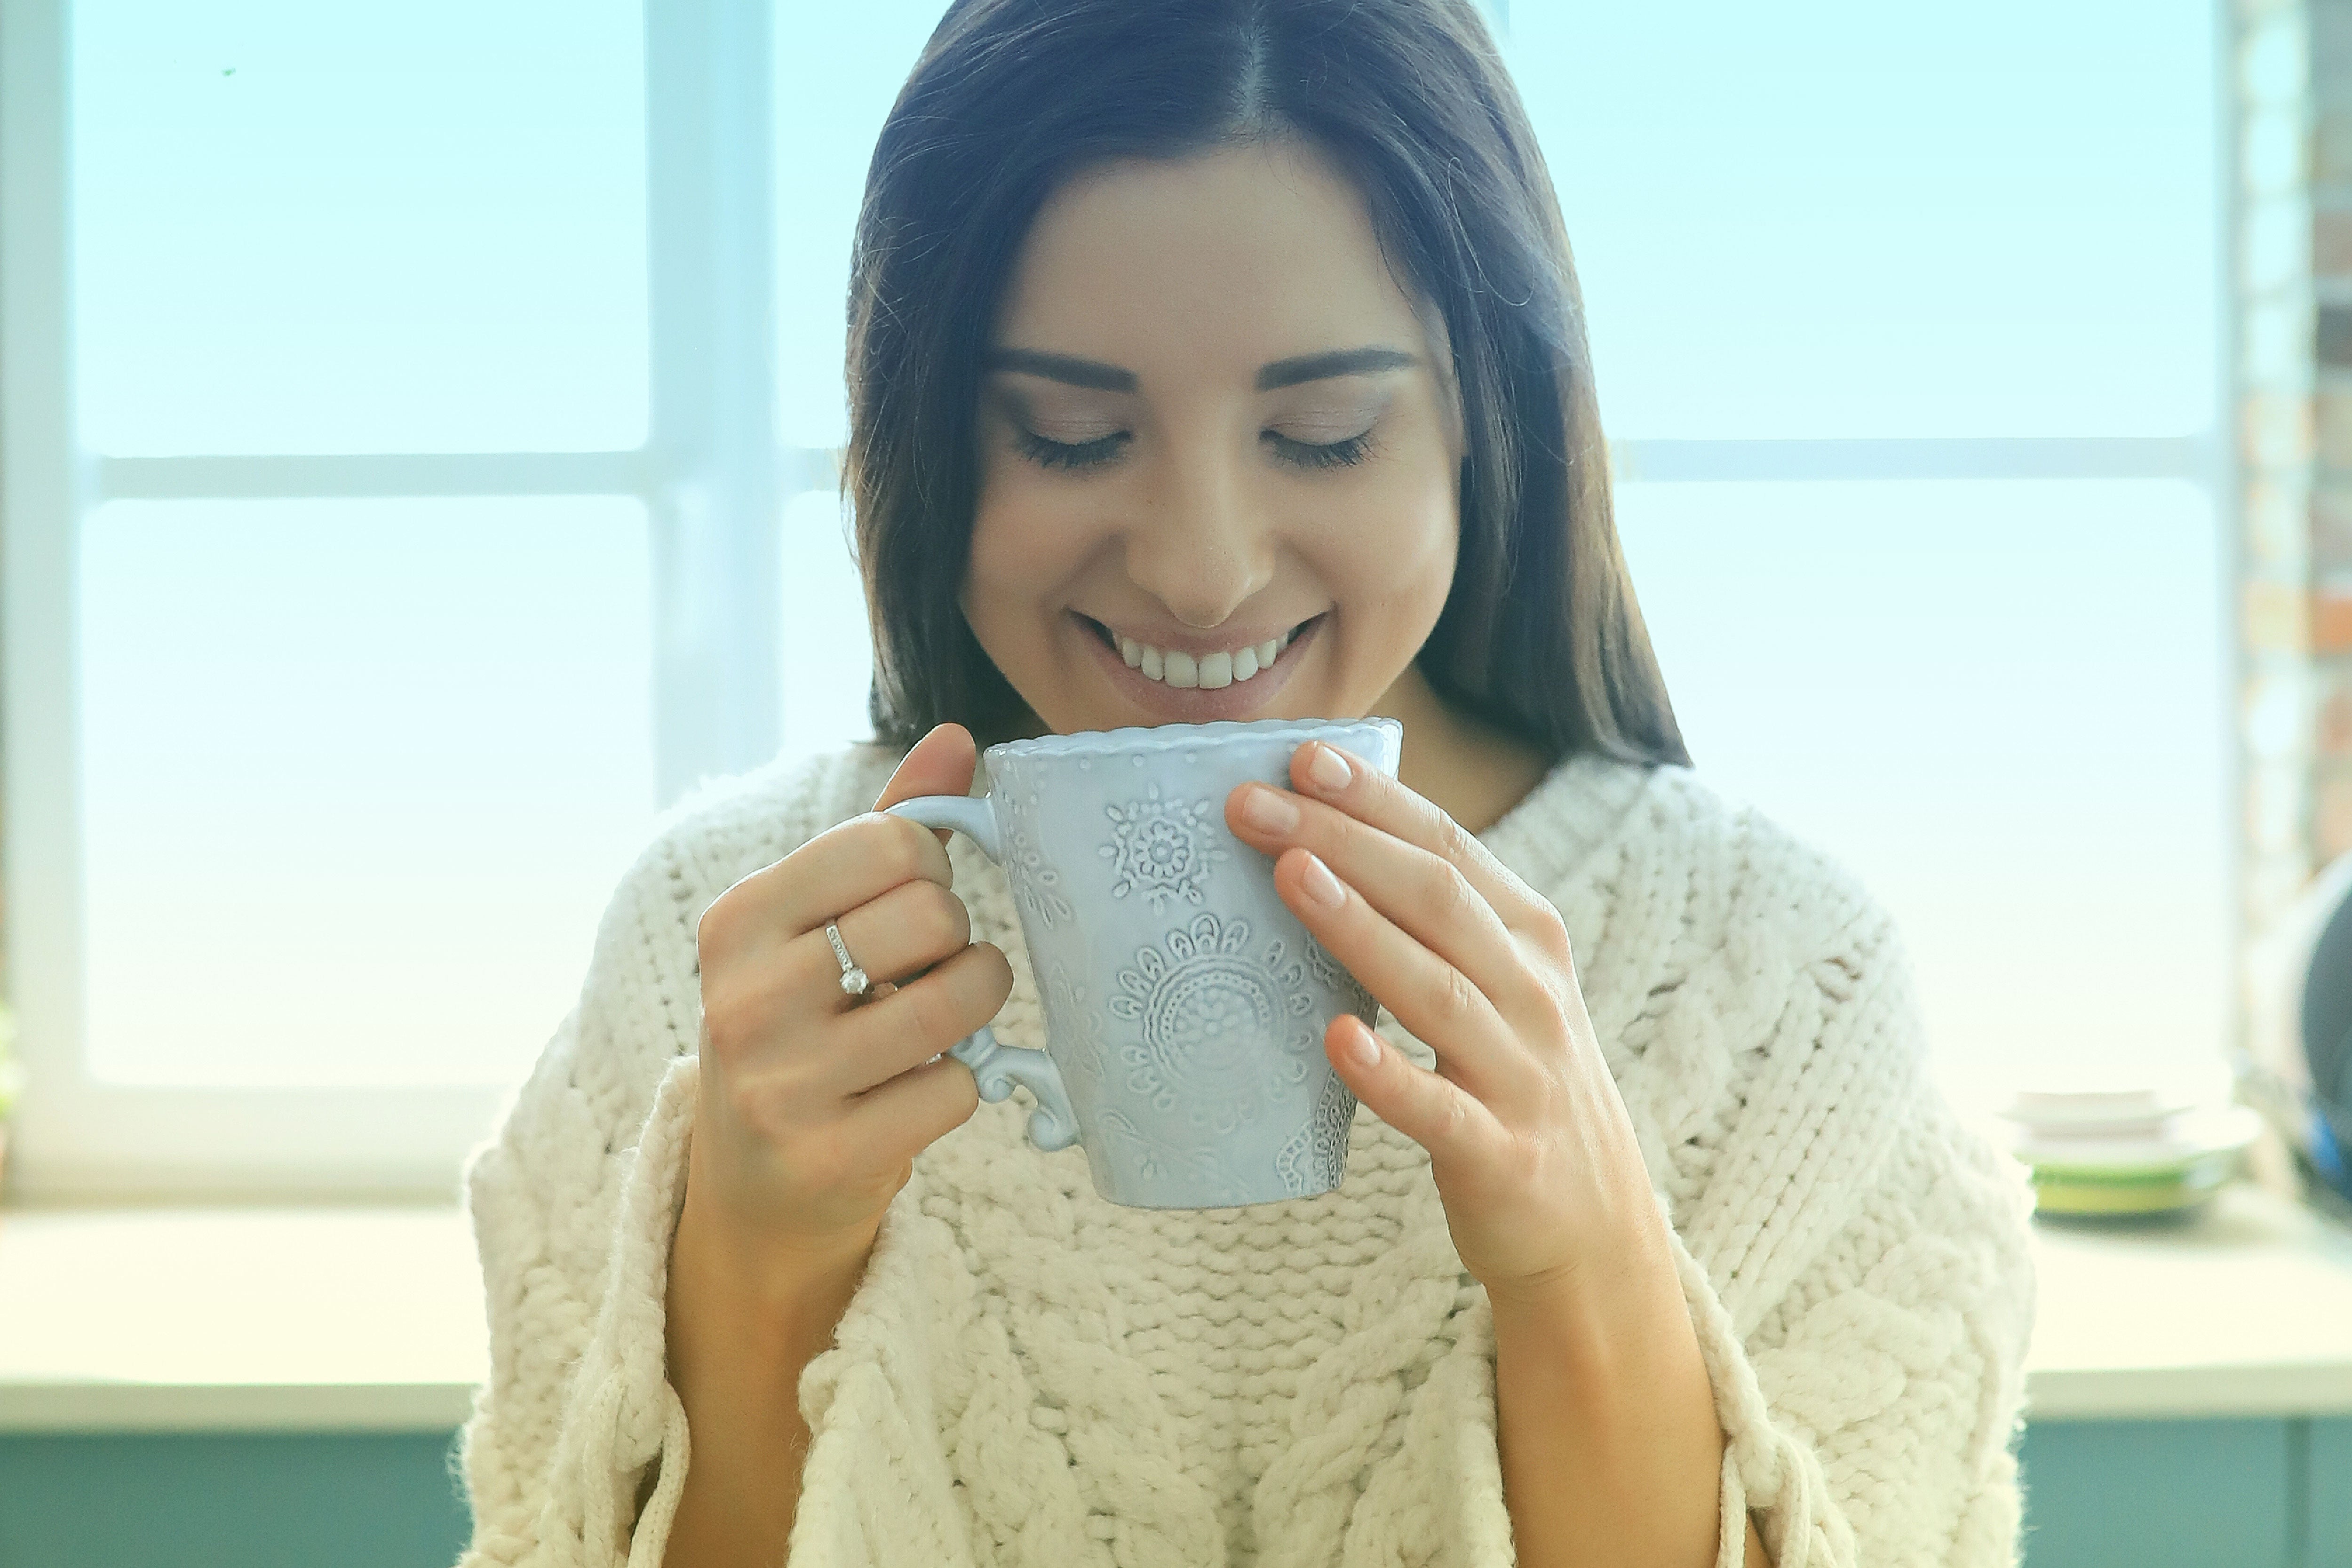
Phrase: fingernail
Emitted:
{"points": [[1321, 886], [1329, 769], [1268, 811]]}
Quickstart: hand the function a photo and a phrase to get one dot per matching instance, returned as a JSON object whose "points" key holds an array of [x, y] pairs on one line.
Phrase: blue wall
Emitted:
{"points": [[2099, 1494], [342, 1502]]}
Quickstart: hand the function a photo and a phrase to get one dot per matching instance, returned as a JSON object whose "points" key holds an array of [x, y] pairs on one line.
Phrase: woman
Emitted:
{"points": [[1222, 359]]}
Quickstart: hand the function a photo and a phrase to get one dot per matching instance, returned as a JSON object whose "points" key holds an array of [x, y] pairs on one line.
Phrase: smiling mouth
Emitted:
{"points": [[1207, 671]]}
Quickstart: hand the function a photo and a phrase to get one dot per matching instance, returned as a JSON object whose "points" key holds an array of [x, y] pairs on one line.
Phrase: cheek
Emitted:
{"points": [[1007, 528], [990, 547], [1399, 553], [989, 581], [1424, 590], [1026, 542]]}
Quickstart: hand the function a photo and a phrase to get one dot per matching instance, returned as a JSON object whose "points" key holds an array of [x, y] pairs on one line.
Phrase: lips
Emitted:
{"points": [[1197, 684], [1206, 671]]}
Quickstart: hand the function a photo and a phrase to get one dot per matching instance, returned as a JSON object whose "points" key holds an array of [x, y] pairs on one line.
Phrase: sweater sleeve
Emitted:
{"points": [[1858, 1269], [575, 1200], [578, 1411]]}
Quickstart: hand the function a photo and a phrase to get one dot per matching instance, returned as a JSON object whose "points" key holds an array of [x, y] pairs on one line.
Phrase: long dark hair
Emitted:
{"points": [[1541, 633]]}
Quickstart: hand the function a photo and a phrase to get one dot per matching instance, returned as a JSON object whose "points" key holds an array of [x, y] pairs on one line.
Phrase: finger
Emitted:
{"points": [[942, 763], [898, 1119], [796, 997], [1374, 797], [920, 1019], [1433, 1111], [1430, 996], [894, 937], [846, 866], [1429, 897]]}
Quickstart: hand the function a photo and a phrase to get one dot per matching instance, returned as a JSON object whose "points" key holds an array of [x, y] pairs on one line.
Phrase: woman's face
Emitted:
{"points": [[1220, 455]]}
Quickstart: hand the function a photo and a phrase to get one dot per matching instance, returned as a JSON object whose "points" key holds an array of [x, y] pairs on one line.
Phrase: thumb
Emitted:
{"points": [[942, 763]]}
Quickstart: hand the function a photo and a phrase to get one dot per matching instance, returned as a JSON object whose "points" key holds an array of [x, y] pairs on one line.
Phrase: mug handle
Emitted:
{"points": [[996, 1066]]}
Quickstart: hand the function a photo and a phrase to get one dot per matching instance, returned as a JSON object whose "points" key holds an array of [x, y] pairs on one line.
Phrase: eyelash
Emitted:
{"points": [[1095, 454]]}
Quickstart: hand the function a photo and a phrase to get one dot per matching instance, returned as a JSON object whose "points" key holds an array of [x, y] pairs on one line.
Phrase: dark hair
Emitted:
{"points": [[1541, 633]]}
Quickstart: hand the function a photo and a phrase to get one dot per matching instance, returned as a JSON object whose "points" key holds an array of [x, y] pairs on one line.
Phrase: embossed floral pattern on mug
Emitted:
{"points": [[1329, 969], [1157, 1160], [1077, 1028], [1203, 1006], [1320, 1147], [1038, 890], [1164, 849]]}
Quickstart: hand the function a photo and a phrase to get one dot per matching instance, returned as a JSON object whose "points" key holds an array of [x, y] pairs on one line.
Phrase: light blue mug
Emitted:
{"points": [[1184, 1004]]}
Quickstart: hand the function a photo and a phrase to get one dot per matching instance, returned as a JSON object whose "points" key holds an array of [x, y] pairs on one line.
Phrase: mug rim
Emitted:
{"points": [[1150, 737]]}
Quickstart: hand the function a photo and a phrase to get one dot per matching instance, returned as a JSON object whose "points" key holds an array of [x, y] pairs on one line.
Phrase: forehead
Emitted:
{"points": [[1212, 264]]}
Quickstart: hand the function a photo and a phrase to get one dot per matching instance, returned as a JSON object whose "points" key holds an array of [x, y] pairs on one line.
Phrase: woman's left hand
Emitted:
{"points": [[1528, 1141]]}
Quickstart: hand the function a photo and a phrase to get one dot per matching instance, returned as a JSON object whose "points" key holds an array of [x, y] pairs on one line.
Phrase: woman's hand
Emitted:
{"points": [[813, 1103], [1528, 1141]]}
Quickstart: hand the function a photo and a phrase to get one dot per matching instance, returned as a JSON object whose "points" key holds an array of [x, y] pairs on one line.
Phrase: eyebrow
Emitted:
{"points": [[1074, 372], [1375, 360]]}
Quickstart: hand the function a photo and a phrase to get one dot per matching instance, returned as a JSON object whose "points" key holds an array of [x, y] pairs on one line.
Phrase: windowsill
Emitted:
{"points": [[2245, 1311], [371, 1319], [286, 1319]]}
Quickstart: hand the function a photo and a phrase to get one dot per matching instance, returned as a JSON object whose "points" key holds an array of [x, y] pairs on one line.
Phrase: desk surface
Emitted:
{"points": [[371, 1319]]}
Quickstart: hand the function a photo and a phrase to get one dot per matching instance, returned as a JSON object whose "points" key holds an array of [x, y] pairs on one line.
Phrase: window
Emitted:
{"points": [[1906, 327], [419, 438], [391, 531]]}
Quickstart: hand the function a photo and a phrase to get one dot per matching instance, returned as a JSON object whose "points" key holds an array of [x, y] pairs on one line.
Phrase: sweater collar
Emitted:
{"points": [[1552, 832]]}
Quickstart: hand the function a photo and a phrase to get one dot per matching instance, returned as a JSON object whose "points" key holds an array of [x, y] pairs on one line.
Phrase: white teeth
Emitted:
{"points": [[1208, 671]]}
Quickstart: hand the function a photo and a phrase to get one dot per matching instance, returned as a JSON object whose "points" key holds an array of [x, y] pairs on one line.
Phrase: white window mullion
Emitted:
{"points": [[716, 475], [1650, 461], [2226, 479], [802, 469], [797, 468], [42, 489], [372, 474], [1643, 460]]}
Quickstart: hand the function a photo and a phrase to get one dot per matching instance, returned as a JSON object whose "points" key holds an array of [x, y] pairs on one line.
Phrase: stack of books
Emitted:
{"points": [[2125, 1151]]}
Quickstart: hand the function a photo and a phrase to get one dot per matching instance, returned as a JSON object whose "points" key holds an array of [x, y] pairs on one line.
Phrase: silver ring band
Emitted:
{"points": [[853, 979]]}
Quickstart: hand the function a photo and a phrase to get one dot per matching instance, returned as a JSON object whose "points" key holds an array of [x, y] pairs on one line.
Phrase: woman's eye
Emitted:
{"points": [[1104, 449], [1329, 455], [1068, 455]]}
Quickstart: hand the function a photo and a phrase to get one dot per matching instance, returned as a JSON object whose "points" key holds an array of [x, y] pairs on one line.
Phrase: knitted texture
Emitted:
{"points": [[1031, 1378]]}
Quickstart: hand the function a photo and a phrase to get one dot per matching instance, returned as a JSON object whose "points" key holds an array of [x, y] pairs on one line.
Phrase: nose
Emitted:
{"points": [[1202, 545]]}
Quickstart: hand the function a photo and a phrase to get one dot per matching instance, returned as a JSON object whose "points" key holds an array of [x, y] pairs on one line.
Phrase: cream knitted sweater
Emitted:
{"points": [[1031, 1377]]}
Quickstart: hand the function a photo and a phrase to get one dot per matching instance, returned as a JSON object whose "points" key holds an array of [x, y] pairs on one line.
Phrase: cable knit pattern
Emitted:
{"points": [[1031, 1378]]}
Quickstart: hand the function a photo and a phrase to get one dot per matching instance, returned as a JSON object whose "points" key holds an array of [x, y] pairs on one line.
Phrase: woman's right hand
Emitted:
{"points": [[813, 1103]]}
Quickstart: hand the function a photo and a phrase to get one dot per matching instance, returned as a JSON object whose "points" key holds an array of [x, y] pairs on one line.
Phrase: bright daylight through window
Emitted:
{"points": [[1905, 338]]}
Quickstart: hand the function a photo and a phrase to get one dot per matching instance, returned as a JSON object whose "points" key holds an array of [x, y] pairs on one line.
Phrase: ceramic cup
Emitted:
{"points": [[1184, 1004]]}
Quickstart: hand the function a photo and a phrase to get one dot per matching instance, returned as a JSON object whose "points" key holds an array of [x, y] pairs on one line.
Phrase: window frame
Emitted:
{"points": [[710, 474], [713, 477]]}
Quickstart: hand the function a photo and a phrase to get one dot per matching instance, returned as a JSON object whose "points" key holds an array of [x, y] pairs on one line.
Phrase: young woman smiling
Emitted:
{"points": [[1222, 359]]}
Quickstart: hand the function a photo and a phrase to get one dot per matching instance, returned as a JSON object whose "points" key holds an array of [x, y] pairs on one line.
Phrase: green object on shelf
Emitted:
{"points": [[2095, 1190]]}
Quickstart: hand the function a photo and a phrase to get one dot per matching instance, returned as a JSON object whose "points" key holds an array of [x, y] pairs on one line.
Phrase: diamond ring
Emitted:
{"points": [[853, 979]]}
